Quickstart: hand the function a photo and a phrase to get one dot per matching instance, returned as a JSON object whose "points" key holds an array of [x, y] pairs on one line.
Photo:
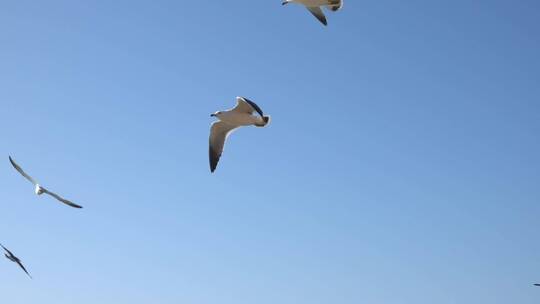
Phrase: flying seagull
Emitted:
{"points": [[315, 7], [39, 190], [241, 115], [14, 259]]}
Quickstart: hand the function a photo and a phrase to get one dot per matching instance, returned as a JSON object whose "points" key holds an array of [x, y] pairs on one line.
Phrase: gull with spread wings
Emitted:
{"points": [[241, 115], [38, 189], [315, 7], [14, 259]]}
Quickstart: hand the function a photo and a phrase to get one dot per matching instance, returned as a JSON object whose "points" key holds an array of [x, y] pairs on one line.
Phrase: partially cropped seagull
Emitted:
{"points": [[315, 7], [14, 259], [241, 115], [39, 190]]}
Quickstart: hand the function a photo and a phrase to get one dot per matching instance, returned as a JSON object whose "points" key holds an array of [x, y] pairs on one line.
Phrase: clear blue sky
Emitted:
{"points": [[401, 165]]}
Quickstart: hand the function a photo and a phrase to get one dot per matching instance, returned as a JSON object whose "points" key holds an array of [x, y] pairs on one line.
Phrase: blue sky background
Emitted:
{"points": [[401, 165]]}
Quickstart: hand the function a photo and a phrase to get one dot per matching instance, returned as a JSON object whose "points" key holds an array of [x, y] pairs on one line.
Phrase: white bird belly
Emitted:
{"points": [[38, 190]]}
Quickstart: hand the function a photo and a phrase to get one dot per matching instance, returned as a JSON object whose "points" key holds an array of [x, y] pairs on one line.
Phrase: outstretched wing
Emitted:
{"points": [[9, 252], [218, 134], [18, 168], [318, 13], [24, 269], [244, 105], [65, 201]]}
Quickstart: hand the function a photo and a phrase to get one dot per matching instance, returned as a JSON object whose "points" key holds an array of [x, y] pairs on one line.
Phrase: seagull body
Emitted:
{"points": [[38, 189], [235, 118], [239, 116], [315, 7], [10, 256]]}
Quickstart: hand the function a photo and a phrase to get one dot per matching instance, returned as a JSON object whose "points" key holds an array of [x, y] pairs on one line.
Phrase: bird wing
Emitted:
{"points": [[18, 168], [244, 105], [22, 266], [218, 134], [317, 12], [65, 201], [9, 252]]}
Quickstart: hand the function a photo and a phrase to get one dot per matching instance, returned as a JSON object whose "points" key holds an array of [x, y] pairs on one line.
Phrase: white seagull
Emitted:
{"points": [[39, 190], [315, 7], [241, 115], [10, 256]]}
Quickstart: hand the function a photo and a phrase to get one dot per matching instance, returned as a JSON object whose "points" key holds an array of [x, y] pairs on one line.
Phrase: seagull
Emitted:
{"points": [[315, 7], [39, 190], [241, 115], [14, 259]]}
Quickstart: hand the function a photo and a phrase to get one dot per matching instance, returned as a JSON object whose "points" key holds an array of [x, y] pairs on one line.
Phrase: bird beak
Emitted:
{"points": [[212, 115], [284, 2]]}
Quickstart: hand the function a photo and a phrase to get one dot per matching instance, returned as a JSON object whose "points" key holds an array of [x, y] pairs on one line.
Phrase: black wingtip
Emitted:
{"points": [[254, 106], [13, 164], [73, 205], [213, 165], [213, 158]]}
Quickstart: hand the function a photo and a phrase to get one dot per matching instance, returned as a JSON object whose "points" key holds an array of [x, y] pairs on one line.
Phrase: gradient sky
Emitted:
{"points": [[402, 163]]}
